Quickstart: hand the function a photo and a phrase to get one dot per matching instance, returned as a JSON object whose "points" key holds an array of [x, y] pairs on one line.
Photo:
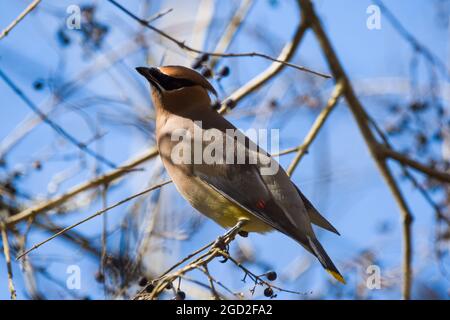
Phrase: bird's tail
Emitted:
{"points": [[324, 259]]}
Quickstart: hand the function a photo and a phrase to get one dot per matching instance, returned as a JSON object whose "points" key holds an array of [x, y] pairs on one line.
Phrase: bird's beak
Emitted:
{"points": [[152, 75]]}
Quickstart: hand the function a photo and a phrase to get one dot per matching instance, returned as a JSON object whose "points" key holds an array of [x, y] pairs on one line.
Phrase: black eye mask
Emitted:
{"points": [[170, 83]]}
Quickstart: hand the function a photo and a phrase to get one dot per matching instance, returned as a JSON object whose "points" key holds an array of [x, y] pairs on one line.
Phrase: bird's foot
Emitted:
{"points": [[223, 246]]}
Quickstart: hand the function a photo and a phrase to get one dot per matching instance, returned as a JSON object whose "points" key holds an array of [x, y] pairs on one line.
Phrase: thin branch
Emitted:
{"points": [[161, 282], [52, 124], [104, 192], [218, 248], [99, 64], [407, 173], [211, 281], [256, 278], [157, 186], [159, 15], [72, 237], [98, 181], [318, 124], [275, 68], [11, 288], [429, 171], [361, 118], [183, 45], [19, 18], [416, 44], [231, 30], [179, 263]]}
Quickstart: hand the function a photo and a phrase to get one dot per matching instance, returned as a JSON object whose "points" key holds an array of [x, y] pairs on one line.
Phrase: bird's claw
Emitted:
{"points": [[220, 243]]}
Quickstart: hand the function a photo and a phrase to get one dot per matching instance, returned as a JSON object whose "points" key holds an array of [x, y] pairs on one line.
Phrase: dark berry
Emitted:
{"points": [[421, 139], [224, 71], [268, 292], [37, 165], [17, 174], [181, 295], [99, 277], [196, 64], [169, 286], [418, 106], [206, 72], [204, 57], [271, 275], [142, 281], [230, 104], [38, 84], [149, 288], [243, 234], [273, 104], [63, 38], [216, 105]]}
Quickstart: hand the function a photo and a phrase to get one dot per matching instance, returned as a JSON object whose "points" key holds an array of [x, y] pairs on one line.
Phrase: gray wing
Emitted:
{"points": [[244, 185]]}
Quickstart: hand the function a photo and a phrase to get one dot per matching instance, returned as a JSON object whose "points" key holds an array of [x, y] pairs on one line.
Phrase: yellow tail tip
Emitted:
{"points": [[337, 276]]}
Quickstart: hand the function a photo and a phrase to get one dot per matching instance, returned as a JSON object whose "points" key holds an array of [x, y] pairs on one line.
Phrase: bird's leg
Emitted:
{"points": [[223, 241]]}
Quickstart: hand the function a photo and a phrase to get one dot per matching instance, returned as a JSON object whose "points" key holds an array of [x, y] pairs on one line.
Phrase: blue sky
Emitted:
{"points": [[338, 174]]}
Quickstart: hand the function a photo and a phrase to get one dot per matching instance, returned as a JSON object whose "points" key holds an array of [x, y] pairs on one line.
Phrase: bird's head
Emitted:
{"points": [[176, 87]]}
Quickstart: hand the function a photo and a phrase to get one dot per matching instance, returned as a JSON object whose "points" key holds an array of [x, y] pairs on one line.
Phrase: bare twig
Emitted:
{"points": [[211, 281], [98, 181], [101, 63], [19, 18], [161, 282], [52, 124], [11, 288], [157, 186], [218, 248], [159, 15], [318, 123], [73, 237], [183, 45], [257, 279], [361, 118], [104, 192], [416, 44], [275, 68], [433, 173], [233, 27]]}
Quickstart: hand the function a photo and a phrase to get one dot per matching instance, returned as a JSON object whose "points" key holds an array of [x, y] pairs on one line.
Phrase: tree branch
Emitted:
{"points": [[318, 124], [436, 174], [19, 18], [184, 46], [275, 68], [98, 213], [98, 181], [11, 288], [231, 30], [361, 118], [58, 129]]}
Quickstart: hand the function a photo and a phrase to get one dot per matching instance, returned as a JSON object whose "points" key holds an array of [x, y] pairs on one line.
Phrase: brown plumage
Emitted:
{"points": [[227, 192]]}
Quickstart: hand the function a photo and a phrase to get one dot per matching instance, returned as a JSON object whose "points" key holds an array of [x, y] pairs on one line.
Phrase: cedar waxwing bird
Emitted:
{"points": [[227, 191]]}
